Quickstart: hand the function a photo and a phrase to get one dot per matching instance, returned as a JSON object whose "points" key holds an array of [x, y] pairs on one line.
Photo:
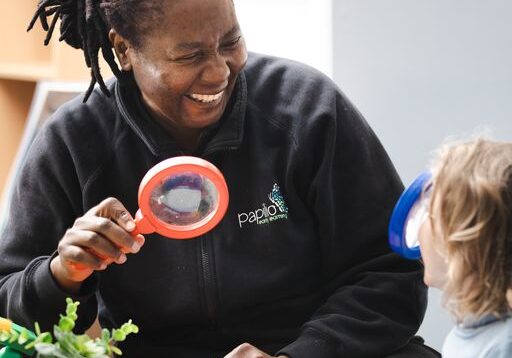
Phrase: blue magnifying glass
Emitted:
{"points": [[410, 212]]}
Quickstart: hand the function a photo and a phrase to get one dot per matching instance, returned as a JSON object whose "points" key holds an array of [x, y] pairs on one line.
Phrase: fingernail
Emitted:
{"points": [[130, 225], [140, 240], [103, 266], [135, 247], [121, 259]]}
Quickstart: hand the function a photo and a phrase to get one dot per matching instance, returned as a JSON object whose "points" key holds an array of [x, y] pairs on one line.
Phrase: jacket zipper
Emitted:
{"points": [[208, 280]]}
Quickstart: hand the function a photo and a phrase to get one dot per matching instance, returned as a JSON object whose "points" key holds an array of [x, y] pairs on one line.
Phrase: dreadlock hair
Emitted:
{"points": [[85, 25]]}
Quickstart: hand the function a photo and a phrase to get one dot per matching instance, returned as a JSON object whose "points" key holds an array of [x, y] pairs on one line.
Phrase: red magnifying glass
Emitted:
{"points": [[181, 198]]}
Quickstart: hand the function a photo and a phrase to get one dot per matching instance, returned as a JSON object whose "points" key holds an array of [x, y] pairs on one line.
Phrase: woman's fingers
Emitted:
{"points": [[81, 258], [97, 239], [108, 229], [113, 209], [95, 243], [115, 223]]}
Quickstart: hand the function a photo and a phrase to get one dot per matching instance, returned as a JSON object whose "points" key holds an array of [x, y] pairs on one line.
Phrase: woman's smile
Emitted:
{"points": [[211, 99]]}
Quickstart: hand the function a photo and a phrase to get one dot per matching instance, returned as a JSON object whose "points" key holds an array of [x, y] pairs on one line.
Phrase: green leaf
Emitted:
{"points": [[24, 337], [95, 349], [37, 328], [14, 336], [116, 350], [45, 349], [118, 335], [134, 328], [105, 335], [45, 337], [4, 336], [57, 352], [71, 309], [129, 327], [66, 324]]}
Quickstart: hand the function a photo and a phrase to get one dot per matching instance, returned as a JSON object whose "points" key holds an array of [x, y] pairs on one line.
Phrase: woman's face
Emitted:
{"points": [[435, 264], [186, 68]]}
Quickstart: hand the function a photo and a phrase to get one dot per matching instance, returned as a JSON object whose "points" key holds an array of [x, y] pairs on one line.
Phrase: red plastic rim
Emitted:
{"points": [[177, 165]]}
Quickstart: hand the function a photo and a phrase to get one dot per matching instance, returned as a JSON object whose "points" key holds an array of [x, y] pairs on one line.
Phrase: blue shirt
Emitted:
{"points": [[486, 338]]}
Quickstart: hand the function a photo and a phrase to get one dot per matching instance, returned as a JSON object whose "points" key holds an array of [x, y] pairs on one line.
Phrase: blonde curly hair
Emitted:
{"points": [[472, 195]]}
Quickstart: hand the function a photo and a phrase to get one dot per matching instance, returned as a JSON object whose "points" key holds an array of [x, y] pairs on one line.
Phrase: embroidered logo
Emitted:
{"points": [[268, 213]]}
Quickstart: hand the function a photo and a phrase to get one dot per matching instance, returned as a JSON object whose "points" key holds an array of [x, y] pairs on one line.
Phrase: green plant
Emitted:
{"points": [[68, 344], [12, 336]]}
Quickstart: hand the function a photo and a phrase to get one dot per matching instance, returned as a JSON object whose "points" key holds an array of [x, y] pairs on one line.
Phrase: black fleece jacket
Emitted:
{"points": [[300, 263]]}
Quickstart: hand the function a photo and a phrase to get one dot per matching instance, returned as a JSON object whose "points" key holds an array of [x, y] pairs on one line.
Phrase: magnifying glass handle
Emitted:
{"points": [[135, 231], [142, 225]]}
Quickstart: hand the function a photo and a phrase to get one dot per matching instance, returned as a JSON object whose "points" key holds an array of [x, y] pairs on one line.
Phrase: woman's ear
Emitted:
{"points": [[121, 46]]}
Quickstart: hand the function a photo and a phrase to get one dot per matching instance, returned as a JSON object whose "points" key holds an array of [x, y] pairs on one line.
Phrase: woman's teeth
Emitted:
{"points": [[205, 98]]}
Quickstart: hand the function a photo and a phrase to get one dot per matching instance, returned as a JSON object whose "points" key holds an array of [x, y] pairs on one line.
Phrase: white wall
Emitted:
{"points": [[296, 29], [420, 71]]}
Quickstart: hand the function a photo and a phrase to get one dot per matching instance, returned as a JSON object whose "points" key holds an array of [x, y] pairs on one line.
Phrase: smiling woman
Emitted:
{"points": [[298, 267], [185, 74]]}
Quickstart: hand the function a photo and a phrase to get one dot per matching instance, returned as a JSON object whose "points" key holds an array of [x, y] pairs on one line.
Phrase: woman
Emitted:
{"points": [[310, 277]]}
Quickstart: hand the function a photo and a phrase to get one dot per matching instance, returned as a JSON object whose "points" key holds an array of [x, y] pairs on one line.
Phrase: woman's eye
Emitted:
{"points": [[190, 58], [231, 44]]}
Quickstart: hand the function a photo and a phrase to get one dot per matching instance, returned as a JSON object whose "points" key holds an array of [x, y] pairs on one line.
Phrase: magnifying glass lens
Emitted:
{"points": [[417, 216], [183, 199]]}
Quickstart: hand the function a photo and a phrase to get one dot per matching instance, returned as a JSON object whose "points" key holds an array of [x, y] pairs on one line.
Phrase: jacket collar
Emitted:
{"points": [[472, 322], [227, 133]]}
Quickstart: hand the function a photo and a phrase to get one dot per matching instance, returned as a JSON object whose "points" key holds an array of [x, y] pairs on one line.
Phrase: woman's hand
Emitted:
{"points": [[97, 239], [247, 350]]}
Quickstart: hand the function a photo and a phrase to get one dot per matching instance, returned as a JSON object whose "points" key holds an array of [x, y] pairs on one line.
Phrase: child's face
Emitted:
{"points": [[435, 264]]}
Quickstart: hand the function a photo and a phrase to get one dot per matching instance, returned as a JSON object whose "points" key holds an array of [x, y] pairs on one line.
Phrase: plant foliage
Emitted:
{"points": [[66, 344]]}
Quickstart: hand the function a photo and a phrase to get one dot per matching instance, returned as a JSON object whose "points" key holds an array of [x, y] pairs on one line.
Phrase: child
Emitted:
{"points": [[465, 239]]}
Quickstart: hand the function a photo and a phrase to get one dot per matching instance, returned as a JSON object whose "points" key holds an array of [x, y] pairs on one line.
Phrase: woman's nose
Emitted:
{"points": [[216, 71]]}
